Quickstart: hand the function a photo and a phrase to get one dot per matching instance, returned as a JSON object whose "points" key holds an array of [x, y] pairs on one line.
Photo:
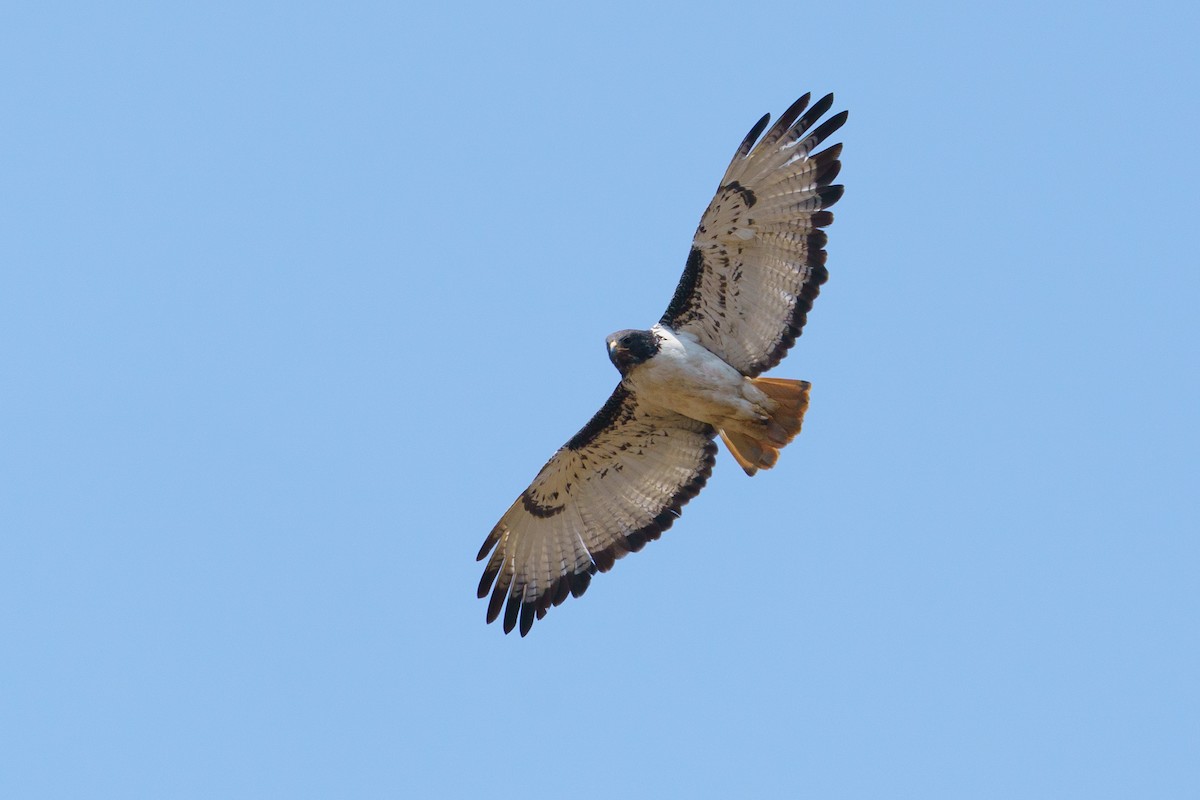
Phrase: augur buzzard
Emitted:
{"points": [[756, 264]]}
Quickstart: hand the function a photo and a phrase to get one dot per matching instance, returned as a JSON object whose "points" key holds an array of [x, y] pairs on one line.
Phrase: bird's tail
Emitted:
{"points": [[761, 451]]}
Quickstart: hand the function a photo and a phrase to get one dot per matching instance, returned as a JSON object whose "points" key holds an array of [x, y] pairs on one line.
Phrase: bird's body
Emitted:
{"points": [[756, 264], [686, 377]]}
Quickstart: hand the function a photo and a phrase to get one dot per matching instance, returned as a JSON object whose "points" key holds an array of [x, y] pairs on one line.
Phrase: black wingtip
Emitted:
{"points": [[815, 113], [827, 172], [786, 119], [753, 135], [497, 602], [579, 582], [827, 128], [830, 194], [795, 109], [527, 612], [485, 583], [489, 543], [562, 590], [511, 610]]}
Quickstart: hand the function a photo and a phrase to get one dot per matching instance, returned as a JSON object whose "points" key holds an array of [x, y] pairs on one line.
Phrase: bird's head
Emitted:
{"points": [[627, 349]]}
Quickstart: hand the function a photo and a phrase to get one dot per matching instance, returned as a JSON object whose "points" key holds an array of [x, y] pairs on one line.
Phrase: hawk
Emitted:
{"points": [[756, 264]]}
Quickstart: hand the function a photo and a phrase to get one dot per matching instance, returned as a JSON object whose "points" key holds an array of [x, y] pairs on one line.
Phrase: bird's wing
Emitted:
{"points": [[757, 260], [617, 484]]}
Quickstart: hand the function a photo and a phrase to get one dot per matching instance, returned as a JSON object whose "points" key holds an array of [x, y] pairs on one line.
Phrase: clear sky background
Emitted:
{"points": [[296, 298]]}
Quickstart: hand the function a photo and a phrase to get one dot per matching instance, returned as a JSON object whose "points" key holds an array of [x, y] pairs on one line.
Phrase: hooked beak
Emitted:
{"points": [[618, 355]]}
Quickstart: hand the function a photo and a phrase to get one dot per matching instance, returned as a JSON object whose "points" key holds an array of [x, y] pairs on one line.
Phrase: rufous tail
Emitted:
{"points": [[755, 452]]}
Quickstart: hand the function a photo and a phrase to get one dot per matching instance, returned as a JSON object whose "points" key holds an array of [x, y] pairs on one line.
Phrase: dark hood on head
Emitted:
{"points": [[628, 348]]}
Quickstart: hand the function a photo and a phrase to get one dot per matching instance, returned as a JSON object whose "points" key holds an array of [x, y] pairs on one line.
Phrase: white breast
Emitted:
{"points": [[689, 379]]}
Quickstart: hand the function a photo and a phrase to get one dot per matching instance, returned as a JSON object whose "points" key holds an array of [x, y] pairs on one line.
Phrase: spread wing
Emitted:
{"points": [[757, 260], [617, 484]]}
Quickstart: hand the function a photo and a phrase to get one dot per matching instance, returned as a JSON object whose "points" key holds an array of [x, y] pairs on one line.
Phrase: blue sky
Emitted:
{"points": [[295, 298]]}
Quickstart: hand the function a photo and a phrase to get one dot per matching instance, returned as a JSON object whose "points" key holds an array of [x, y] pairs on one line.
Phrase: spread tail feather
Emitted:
{"points": [[791, 401]]}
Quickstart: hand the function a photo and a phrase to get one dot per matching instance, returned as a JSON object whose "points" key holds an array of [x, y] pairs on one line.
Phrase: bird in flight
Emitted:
{"points": [[756, 264]]}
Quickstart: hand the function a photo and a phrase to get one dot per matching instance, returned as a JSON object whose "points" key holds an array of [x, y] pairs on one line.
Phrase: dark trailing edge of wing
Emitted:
{"points": [[520, 615]]}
